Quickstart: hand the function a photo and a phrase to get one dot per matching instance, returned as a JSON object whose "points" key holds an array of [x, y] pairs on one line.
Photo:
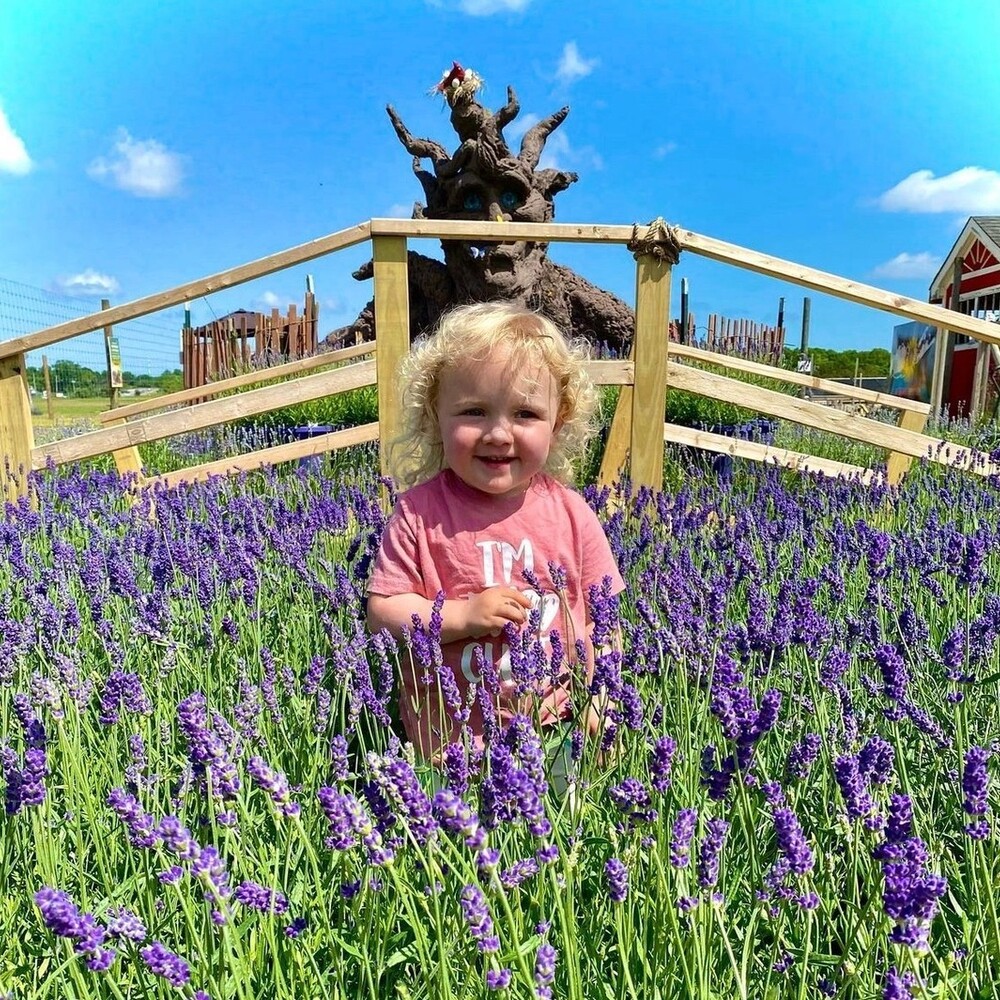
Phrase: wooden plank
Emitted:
{"points": [[801, 411], [216, 411], [619, 434], [897, 465], [760, 452], [978, 401], [550, 232], [239, 382], [652, 317], [294, 346], [392, 331], [843, 288], [190, 290], [127, 460], [16, 433], [271, 456], [796, 378], [611, 372]]}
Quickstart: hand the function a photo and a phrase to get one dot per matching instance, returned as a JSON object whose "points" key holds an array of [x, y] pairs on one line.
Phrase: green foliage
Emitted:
{"points": [[827, 363], [346, 409]]}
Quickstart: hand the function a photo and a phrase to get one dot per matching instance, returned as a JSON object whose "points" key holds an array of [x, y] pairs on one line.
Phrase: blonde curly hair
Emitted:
{"points": [[470, 334]]}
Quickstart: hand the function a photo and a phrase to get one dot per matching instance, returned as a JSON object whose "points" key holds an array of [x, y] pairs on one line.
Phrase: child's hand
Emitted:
{"points": [[488, 611]]}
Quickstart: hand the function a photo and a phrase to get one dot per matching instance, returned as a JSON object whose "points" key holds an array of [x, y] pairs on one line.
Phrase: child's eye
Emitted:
{"points": [[472, 411], [527, 415]]}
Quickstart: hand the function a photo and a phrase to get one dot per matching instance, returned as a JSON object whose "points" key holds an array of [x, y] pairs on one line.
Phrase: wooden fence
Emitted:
{"points": [[637, 432], [736, 337], [233, 344]]}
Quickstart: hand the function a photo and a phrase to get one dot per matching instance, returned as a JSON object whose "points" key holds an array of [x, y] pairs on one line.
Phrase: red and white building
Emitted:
{"points": [[978, 295]]}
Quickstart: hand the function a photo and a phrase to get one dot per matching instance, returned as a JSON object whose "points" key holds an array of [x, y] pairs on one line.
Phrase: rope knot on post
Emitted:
{"points": [[659, 241]]}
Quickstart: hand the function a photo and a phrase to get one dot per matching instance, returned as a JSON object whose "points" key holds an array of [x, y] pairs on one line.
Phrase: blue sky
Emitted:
{"points": [[144, 145]]}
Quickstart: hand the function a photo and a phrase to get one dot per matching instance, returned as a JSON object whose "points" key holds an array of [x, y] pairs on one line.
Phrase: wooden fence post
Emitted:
{"points": [[392, 330], [16, 434], [897, 465], [652, 315]]}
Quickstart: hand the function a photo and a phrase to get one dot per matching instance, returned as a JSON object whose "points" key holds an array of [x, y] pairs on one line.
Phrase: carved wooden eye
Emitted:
{"points": [[473, 201], [509, 199]]}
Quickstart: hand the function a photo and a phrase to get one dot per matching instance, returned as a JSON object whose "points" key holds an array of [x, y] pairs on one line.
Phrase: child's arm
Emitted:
{"points": [[480, 614]]}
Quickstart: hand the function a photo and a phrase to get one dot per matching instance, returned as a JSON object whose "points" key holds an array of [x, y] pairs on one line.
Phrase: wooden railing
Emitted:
{"points": [[637, 432]]}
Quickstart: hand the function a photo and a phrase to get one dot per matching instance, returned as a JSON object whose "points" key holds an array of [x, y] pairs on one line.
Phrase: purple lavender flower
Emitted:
{"points": [[458, 819], [398, 783], [897, 985], [792, 842], [802, 756], [545, 971], [275, 784], [710, 851], [895, 677], [339, 765], [520, 871], [660, 762], [33, 777], [141, 826], [163, 962], [58, 911], [177, 839], [975, 786], [852, 785], [616, 876], [257, 897], [498, 979], [211, 870], [682, 834], [477, 917], [123, 923]]}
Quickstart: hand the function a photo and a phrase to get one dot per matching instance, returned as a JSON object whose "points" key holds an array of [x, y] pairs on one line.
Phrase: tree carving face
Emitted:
{"points": [[484, 181]]}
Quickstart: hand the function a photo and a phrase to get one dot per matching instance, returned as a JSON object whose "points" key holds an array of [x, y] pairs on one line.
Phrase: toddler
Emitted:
{"points": [[497, 404]]}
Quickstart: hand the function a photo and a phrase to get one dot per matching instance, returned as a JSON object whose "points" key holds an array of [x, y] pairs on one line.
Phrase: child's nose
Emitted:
{"points": [[498, 430]]}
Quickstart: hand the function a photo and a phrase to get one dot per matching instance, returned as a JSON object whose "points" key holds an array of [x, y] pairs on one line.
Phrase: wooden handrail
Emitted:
{"points": [[802, 411], [211, 389], [760, 452], [798, 378], [216, 411], [190, 290], [704, 246], [308, 448]]}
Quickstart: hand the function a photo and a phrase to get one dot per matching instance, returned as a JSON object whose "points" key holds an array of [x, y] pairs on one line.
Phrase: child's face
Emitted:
{"points": [[497, 424]]}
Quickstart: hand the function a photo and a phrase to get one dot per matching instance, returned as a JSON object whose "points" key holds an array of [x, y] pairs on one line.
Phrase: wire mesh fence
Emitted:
{"points": [[149, 345]]}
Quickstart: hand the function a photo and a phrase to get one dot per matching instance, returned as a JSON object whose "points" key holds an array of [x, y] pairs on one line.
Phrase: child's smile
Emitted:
{"points": [[497, 424]]}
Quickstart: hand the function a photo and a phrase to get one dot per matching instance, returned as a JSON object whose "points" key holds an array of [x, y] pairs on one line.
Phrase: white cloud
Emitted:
{"points": [[560, 154], [270, 300], [14, 157], [87, 282], [399, 211], [572, 66], [143, 167], [909, 265], [971, 190], [484, 8], [664, 149]]}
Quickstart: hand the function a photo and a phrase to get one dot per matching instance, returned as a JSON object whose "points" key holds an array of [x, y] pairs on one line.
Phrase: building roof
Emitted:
{"points": [[984, 227], [989, 224]]}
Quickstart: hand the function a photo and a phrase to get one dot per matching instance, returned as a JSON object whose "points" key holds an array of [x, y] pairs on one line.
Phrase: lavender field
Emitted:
{"points": [[205, 797]]}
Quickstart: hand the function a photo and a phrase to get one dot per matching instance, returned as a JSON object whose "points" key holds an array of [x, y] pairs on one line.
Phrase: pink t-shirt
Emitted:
{"points": [[447, 536]]}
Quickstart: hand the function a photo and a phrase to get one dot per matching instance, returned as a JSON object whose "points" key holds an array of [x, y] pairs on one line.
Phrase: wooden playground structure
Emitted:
{"points": [[242, 340], [638, 431]]}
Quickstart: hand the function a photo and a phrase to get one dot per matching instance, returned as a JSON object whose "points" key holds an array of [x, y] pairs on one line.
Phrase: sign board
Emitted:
{"points": [[912, 361], [114, 363]]}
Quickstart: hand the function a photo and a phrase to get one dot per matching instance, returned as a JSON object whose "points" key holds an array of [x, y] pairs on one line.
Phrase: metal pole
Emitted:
{"points": [[684, 338], [804, 345]]}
